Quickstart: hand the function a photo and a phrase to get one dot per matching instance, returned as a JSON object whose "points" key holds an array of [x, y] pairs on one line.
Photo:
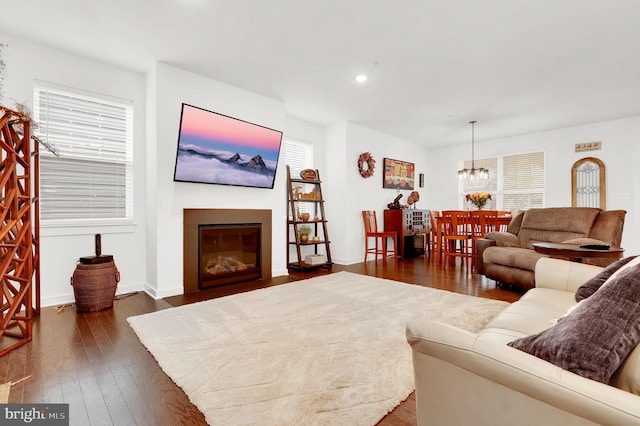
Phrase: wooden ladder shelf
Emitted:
{"points": [[306, 209]]}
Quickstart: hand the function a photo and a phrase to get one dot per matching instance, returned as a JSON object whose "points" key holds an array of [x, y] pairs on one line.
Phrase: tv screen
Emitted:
{"points": [[215, 148]]}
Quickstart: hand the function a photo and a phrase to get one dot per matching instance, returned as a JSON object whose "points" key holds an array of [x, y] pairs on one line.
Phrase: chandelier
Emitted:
{"points": [[473, 173]]}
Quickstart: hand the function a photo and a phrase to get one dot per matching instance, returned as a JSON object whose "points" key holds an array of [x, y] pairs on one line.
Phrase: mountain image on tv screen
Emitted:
{"points": [[215, 148]]}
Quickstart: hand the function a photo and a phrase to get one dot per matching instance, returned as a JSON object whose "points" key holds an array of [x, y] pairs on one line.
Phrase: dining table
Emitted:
{"points": [[501, 224]]}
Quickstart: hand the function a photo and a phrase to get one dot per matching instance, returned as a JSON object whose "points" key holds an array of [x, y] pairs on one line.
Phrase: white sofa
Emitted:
{"points": [[464, 378]]}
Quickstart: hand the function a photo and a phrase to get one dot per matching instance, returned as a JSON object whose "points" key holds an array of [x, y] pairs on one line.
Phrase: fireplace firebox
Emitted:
{"points": [[225, 246], [228, 254]]}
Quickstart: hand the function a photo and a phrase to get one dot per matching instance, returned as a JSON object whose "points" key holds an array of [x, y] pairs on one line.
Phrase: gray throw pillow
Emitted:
{"points": [[598, 335], [590, 287]]}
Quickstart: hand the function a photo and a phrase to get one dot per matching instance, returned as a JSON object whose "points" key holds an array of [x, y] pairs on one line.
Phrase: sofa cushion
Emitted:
{"points": [[512, 256], [577, 220], [597, 336], [516, 221], [534, 312], [627, 377], [505, 274], [584, 240], [504, 239], [555, 225], [608, 227], [591, 286], [558, 300]]}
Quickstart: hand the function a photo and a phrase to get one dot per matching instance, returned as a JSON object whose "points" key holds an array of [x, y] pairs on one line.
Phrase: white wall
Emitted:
{"points": [[309, 132], [60, 248], [620, 154], [347, 193], [172, 87]]}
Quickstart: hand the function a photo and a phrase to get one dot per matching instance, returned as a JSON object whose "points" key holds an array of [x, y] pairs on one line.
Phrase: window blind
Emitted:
{"points": [[523, 181], [298, 155], [92, 177], [516, 182]]}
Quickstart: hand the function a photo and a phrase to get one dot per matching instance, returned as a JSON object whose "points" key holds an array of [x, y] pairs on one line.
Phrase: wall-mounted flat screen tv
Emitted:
{"points": [[215, 148]]}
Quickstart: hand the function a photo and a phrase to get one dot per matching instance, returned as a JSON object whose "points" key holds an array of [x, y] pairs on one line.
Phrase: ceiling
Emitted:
{"points": [[515, 66]]}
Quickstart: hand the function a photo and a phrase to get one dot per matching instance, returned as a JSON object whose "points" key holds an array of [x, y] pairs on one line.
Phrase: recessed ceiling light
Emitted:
{"points": [[361, 78]]}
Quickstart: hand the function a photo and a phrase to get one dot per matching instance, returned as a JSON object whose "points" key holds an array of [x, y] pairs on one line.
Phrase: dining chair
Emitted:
{"points": [[482, 222], [434, 238], [504, 219], [380, 238], [456, 235]]}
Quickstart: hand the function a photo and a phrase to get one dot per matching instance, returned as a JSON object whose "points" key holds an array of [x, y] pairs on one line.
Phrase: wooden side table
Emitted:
{"points": [[576, 253]]}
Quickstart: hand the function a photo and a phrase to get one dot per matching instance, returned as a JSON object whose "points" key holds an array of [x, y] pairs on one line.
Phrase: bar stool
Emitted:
{"points": [[371, 231]]}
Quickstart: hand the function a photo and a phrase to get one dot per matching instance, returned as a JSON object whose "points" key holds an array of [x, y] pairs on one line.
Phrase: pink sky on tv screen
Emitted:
{"points": [[219, 129]]}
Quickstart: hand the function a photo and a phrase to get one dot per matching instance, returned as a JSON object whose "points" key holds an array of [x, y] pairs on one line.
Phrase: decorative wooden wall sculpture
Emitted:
{"points": [[19, 230]]}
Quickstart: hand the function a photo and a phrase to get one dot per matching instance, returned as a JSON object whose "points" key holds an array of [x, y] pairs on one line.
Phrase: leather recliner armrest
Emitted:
{"points": [[481, 244]]}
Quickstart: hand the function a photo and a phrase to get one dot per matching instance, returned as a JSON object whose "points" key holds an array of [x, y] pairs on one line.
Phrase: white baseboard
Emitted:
{"points": [[69, 298]]}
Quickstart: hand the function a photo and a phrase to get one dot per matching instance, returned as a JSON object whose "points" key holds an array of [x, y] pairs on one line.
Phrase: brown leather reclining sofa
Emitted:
{"points": [[509, 258]]}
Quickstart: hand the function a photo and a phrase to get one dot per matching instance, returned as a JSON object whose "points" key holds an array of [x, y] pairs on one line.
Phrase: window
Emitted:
{"points": [[523, 181], [91, 178], [516, 182], [298, 155], [588, 183]]}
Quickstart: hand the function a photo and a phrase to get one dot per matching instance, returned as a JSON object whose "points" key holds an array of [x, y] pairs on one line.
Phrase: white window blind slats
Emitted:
{"points": [[515, 202], [298, 156], [101, 193], [84, 128], [85, 114], [524, 171], [521, 185], [92, 177], [523, 181]]}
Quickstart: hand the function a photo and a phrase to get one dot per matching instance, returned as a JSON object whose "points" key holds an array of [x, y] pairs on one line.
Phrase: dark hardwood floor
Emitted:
{"points": [[95, 362]]}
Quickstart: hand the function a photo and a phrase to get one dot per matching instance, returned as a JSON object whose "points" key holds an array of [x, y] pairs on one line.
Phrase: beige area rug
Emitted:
{"points": [[329, 350]]}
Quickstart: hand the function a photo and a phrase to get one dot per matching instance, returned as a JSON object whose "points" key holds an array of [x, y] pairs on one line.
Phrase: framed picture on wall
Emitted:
{"points": [[398, 174]]}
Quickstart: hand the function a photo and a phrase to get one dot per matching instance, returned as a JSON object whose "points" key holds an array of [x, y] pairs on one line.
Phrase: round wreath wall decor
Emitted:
{"points": [[366, 164]]}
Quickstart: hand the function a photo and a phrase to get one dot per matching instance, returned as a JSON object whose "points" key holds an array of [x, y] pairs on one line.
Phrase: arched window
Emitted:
{"points": [[588, 183]]}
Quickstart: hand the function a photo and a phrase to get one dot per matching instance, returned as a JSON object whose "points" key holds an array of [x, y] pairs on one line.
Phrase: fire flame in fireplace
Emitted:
{"points": [[223, 264]]}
